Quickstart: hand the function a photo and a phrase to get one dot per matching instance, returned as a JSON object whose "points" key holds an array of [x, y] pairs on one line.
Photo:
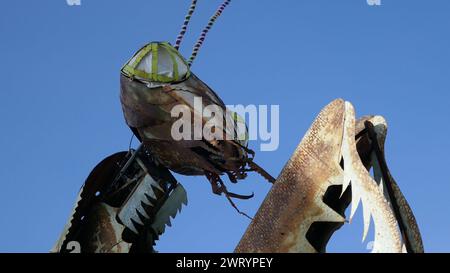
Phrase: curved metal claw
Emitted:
{"points": [[377, 129], [240, 196], [329, 171]]}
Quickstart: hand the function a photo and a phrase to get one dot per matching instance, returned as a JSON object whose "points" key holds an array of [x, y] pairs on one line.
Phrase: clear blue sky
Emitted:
{"points": [[60, 112]]}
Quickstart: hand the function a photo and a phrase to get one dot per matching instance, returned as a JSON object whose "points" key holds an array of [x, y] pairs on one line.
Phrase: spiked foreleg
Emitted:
{"points": [[304, 207]]}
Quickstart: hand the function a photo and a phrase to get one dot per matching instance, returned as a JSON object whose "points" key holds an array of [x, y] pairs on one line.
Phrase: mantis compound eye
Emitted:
{"points": [[157, 62], [239, 129]]}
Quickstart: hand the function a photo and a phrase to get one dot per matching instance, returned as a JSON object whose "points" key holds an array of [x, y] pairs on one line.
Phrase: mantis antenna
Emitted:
{"points": [[202, 37], [205, 31], [185, 24]]}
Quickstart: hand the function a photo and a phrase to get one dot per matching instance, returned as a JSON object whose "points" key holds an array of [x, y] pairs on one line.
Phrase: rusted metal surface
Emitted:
{"points": [[122, 206], [377, 130], [101, 233], [147, 106], [148, 112], [292, 206], [96, 182], [371, 150], [328, 172], [366, 191]]}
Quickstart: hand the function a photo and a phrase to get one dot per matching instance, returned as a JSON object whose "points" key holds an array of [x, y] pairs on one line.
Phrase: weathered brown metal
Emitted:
{"points": [[307, 203], [147, 106], [407, 222], [294, 202], [123, 206], [148, 112], [371, 149], [365, 190], [101, 233], [100, 176]]}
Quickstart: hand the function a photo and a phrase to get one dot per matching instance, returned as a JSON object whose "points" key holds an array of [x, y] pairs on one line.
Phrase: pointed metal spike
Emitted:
{"points": [[345, 184], [156, 185], [156, 191], [151, 197], [150, 190], [135, 218], [146, 201], [126, 220], [148, 205], [132, 226], [366, 218], [356, 199], [174, 213], [162, 230], [169, 209], [141, 210], [404, 250], [381, 186]]}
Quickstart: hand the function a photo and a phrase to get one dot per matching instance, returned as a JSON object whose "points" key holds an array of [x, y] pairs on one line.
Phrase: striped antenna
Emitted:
{"points": [[211, 22], [185, 24]]}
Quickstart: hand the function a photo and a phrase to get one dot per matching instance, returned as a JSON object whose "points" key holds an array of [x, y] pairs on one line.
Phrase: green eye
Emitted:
{"points": [[241, 129], [157, 62]]}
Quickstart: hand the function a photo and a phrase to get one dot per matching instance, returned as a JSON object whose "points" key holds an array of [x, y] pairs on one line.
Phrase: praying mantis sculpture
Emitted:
{"points": [[328, 172], [130, 197]]}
